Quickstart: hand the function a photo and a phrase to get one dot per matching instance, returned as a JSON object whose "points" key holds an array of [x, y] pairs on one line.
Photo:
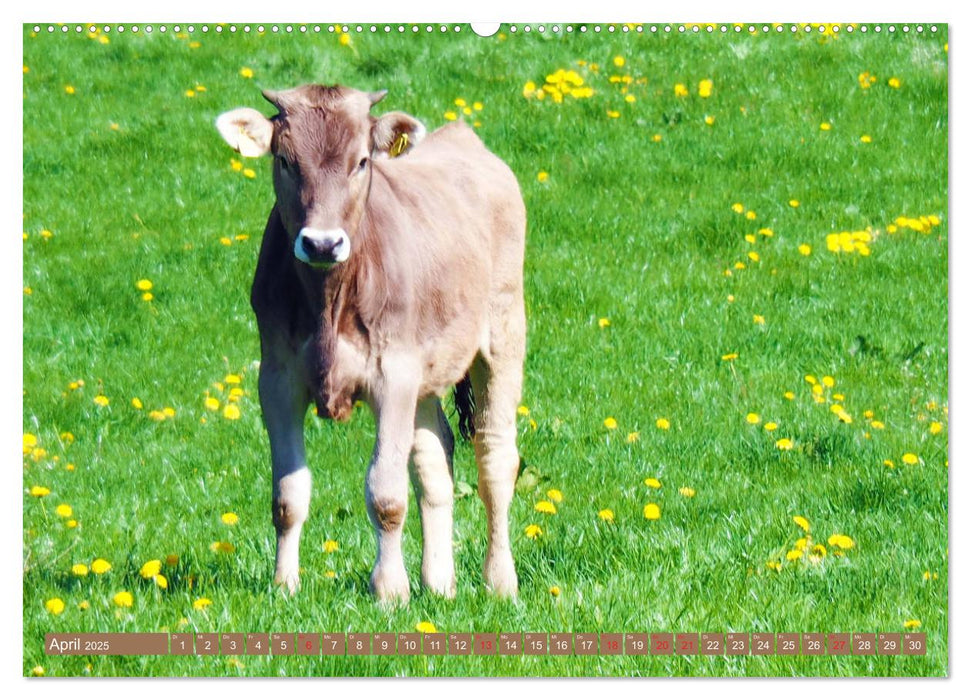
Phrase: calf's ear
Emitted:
{"points": [[396, 133], [246, 131]]}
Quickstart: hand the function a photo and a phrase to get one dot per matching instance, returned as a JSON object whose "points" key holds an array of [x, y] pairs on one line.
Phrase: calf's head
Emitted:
{"points": [[323, 140]]}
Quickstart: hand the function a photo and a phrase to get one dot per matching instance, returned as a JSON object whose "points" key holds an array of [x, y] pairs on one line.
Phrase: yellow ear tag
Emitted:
{"points": [[399, 145]]}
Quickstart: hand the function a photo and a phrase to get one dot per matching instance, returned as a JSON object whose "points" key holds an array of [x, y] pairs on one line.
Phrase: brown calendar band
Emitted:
{"points": [[861, 644]]}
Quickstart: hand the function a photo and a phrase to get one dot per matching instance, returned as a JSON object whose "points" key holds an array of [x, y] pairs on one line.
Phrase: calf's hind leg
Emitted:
{"points": [[497, 383]]}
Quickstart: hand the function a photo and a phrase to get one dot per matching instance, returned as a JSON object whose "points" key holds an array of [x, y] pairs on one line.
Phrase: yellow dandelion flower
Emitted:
{"points": [[30, 442], [794, 554], [825, 126], [935, 428], [603, 322], [633, 437], [805, 249], [136, 403], [64, 510], [758, 319], [773, 566], [450, 115], [652, 483], [784, 444], [161, 581], [829, 381], [794, 203], [71, 524], [663, 424], [705, 87], [888, 463], [606, 515], [738, 208], [545, 507], [910, 458], [619, 61], [841, 541], [533, 531], [652, 511], [331, 546], [55, 606], [231, 412], [555, 495], [866, 138], [222, 547], [680, 90], [911, 624], [730, 356], [157, 415], [426, 627], [79, 570], [249, 172], [143, 285], [69, 89], [542, 176], [84, 605], [894, 83], [751, 215], [610, 423], [150, 568], [123, 599], [770, 426], [100, 566], [39, 491], [753, 418], [789, 395], [211, 403], [687, 491], [201, 603], [801, 522], [229, 518], [101, 400], [656, 138], [246, 72], [709, 120]]}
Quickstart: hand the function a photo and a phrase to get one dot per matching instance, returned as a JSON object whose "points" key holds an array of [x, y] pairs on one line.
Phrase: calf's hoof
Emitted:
{"points": [[443, 585], [288, 580], [500, 576], [390, 585]]}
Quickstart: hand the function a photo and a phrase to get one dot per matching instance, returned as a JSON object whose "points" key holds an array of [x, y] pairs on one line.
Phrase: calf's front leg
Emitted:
{"points": [[386, 485], [284, 400]]}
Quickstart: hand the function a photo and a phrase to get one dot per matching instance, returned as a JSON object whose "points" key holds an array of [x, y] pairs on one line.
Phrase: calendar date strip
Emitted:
{"points": [[488, 644]]}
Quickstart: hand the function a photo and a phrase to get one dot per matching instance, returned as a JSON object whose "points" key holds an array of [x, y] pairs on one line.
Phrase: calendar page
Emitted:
{"points": [[531, 350]]}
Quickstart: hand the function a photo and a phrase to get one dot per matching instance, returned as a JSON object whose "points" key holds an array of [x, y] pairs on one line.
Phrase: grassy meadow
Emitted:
{"points": [[735, 414]]}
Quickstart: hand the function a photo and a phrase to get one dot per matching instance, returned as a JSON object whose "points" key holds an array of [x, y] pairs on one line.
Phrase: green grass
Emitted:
{"points": [[626, 228]]}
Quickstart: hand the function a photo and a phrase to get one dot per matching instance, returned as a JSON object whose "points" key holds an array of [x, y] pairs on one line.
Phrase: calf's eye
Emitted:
{"points": [[362, 164]]}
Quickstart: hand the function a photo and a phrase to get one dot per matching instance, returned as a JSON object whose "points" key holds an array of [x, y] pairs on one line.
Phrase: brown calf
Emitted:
{"points": [[388, 280]]}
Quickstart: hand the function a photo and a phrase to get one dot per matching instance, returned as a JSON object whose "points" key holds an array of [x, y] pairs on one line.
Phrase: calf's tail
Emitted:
{"points": [[465, 404]]}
